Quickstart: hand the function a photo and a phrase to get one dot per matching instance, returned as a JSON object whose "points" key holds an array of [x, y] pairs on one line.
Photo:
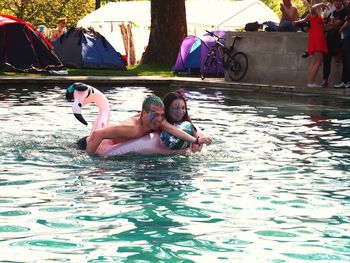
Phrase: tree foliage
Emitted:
{"points": [[42, 12]]}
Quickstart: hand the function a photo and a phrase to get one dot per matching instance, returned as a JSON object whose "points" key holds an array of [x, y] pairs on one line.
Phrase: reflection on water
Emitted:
{"points": [[274, 186]]}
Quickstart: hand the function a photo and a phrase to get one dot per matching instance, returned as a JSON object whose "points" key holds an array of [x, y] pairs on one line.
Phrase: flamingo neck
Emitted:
{"points": [[102, 103], [102, 117]]}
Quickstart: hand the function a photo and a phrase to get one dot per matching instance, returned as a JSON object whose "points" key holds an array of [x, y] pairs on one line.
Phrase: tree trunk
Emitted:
{"points": [[97, 4], [128, 41], [168, 29]]}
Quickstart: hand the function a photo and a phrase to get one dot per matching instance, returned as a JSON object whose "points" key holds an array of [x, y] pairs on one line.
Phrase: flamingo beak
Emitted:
{"points": [[77, 112]]}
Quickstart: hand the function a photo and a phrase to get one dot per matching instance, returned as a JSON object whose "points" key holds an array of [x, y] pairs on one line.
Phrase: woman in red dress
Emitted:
{"points": [[317, 45]]}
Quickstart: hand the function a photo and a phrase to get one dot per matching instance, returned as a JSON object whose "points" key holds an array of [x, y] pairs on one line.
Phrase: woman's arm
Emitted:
{"points": [[313, 9], [197, 147], [183, 135], [302, 20]]}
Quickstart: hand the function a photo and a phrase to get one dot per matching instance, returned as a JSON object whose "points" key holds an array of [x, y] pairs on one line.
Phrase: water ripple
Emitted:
{"points": [[273, 187]]}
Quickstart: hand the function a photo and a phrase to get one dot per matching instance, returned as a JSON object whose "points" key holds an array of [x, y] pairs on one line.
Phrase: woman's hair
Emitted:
{"points": [[318, 10], [307, 4], [168, 99]]}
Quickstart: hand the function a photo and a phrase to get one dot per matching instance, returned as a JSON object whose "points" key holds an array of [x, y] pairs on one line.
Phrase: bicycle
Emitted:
{"points": [[236, 63]]}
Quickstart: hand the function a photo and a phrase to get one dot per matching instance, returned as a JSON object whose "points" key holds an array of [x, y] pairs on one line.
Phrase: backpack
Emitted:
{"points": [[254, 26]]}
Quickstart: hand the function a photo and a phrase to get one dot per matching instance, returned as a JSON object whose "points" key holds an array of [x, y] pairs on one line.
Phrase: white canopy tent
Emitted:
{"points": [[201, 15], [226, 15]]}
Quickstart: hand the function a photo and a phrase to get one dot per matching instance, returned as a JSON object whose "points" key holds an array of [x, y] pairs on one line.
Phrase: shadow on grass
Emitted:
{"points": [[139, 70]]}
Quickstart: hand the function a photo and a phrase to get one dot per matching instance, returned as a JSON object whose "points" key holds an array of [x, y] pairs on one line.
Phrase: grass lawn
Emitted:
{"points": [[139, 70]]}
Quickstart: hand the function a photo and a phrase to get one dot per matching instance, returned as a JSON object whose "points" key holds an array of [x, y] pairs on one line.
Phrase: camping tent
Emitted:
{"points": [[201, 15], [85, 48], [110, 19], [24, 49], [193, 53], [225, 15]]}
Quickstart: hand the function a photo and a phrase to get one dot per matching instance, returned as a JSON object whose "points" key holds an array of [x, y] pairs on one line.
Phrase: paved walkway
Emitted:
{"points": [[185, 81]]}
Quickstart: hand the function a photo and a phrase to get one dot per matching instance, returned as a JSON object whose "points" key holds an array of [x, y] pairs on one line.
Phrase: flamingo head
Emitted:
{"points": [[79, 93]]}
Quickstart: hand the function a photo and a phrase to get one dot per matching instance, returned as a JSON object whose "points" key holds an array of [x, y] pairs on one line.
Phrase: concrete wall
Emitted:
{"points": [[275, 58]]}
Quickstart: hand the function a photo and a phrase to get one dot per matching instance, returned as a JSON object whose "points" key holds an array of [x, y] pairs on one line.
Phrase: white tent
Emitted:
{"points": [[226, 15], [201, 15]]}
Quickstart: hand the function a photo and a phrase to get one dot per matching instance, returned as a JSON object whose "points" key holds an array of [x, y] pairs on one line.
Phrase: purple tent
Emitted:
{"points": [[192, 55]]}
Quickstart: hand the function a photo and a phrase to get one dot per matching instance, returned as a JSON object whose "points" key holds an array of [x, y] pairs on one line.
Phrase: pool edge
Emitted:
{"points": [[186, 81]]}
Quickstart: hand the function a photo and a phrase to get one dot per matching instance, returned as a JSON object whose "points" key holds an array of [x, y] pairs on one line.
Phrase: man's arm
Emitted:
{"points": [[112, 132]]}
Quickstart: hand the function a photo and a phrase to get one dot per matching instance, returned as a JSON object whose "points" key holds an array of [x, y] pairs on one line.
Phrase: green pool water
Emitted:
{"points": [[273, 187]]}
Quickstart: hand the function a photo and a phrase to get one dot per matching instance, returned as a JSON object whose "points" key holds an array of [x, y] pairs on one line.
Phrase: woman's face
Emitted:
{"points": [[177, 110]]}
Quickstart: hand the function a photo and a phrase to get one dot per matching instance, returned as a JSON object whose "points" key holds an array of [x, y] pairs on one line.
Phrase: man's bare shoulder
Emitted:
{"points": [[132, 121], [132, 126]]}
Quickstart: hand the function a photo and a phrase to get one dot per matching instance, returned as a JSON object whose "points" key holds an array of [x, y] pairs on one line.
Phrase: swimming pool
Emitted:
{"points": [[274, 186]]}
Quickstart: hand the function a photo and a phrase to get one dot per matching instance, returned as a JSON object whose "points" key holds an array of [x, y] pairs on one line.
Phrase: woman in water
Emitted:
{"points": [[176, 114]]}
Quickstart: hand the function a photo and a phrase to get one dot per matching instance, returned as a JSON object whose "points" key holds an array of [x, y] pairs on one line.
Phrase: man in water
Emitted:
{"points": [[149, 120]]}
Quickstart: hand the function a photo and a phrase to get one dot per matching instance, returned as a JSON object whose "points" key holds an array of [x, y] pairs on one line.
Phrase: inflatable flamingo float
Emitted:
{"points": [[82, 95]]}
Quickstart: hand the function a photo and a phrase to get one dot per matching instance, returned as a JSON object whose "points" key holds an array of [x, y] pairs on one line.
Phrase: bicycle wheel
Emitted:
{"points": [[237, 66], [207, 64]]}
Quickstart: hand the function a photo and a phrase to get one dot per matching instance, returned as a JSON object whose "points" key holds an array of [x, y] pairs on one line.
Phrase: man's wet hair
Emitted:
{"points": [[152, 100]]}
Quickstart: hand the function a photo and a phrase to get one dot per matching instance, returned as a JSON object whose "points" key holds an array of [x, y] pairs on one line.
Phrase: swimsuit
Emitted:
{"points": [[174, 143], [81, 143]]}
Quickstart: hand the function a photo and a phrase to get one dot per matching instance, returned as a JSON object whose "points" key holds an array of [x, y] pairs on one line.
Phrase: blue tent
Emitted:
{"points": [[85, 48]]}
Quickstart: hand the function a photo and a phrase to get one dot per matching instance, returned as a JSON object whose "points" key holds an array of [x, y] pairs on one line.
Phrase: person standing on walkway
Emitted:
{"points": [[327, 12], [333, 23], [345, 30], [62, 22], [316, 45]]}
